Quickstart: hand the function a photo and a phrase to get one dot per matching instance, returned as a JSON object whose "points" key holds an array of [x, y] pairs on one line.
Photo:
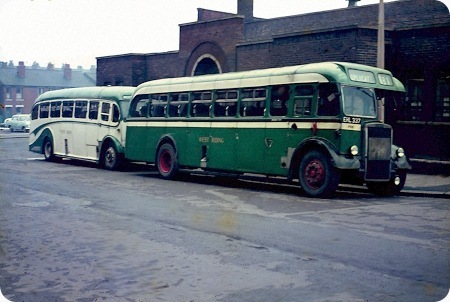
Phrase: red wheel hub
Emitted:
{"points": [[165, 161], [314, 174]]}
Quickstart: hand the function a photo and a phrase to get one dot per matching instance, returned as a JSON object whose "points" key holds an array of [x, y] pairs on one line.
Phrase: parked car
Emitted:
{"points": [[20, 122], [6, 123]]}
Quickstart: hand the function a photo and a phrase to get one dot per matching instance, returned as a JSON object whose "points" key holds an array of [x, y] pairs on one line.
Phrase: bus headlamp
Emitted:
{"points": [[354, 150], [400, 152]]}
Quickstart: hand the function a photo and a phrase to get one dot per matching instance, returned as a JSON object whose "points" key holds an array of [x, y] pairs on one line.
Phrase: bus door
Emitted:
{"points": [[108, 121], [66, 131], [251, 130], [250, 146], [92, 128], [221, 152], [277, 131], [79, 128], [223, 136]]}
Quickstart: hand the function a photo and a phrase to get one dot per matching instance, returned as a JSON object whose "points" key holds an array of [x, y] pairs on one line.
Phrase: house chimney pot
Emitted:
{"points": [[67, 72], [245, 8], [21, 69]]}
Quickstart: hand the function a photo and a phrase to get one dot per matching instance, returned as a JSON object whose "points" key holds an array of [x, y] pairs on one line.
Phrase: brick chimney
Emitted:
{"points": [[352, 3], [67, 72], [21, 70], [245, 8]]}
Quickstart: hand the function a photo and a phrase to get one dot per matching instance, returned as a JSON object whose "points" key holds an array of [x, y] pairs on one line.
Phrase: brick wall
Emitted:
{"points": [[218, 38], [121, 70]]}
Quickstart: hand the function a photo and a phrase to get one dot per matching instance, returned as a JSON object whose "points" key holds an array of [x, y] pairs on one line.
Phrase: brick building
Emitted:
{"points": [[417, 47], [21, 85]]}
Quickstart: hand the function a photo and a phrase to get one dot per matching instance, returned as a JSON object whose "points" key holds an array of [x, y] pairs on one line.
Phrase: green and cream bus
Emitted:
{"points": [[83, 123], [316, 123]]}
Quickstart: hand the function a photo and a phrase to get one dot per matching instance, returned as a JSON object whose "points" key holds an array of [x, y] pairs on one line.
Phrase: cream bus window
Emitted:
{"points": [[67, 110], [80, 109], [55, 109], [43, 110]]}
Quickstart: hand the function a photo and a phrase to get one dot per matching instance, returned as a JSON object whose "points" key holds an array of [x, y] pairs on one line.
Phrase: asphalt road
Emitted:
{"points": [[72, 232]]}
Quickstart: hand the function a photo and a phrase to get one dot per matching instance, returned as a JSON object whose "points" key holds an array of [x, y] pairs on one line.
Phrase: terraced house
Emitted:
{"points": [[20, 85]]}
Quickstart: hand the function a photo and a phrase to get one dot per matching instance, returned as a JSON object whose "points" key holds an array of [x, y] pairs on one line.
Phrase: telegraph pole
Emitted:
{"points": [[380, 53]]}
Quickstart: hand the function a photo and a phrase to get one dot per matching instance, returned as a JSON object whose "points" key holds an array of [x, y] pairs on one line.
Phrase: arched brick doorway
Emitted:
{"points": [[206, 64], [206, 58]]}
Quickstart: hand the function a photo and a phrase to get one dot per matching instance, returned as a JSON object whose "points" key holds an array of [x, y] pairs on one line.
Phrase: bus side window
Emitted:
{"points": [[44, 110], [253, 102], [35, 112], [201, 104], [67, 109], [178, 105], [93, 110], [158, 105], [278, 101], [139, 106], [55, 109], [303, 95], [226, 103], [105, 111], [80, 109], [328, 101], [116, 113]]}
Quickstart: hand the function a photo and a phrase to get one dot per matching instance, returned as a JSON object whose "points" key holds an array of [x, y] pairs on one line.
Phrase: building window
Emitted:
{"points": [[8, 111], [442, 105], [40, 91], [19, 109], [19, 94], [8, 93], [414, 100]]}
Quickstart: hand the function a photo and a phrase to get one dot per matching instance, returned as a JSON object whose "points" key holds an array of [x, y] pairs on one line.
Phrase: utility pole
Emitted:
{"points": [[380, 54]]}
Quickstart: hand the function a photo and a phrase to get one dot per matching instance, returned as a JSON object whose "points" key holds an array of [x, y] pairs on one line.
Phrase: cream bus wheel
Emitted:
{"points": [[48, 150], [111, 158]]}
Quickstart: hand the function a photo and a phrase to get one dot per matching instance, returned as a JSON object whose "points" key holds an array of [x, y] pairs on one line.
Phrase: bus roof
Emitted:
{"points": [[342, 72], [95, 92]]}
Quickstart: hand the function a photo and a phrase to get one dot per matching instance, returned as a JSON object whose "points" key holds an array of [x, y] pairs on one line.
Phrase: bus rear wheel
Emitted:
{"points": [[317, 176], [111, 158], [166, 161], [48, 150]]}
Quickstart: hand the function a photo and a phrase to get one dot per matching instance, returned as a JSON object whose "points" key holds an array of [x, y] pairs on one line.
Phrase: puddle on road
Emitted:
{"points": [[36, 204]]}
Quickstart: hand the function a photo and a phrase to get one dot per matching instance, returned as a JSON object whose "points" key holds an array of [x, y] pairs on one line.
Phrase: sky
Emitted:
{"points": [[75, 32]]}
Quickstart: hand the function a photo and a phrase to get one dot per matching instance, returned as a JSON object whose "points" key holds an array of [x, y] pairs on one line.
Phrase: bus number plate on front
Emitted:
{"points": [[352, 120]]}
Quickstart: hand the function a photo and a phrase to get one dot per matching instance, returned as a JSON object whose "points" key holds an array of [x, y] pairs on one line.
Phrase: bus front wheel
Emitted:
{"points": [[111, 158], [166, 161], [317, 176]]}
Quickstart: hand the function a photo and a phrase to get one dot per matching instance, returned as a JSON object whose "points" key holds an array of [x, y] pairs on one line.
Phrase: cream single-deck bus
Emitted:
{"points": [[84, 123], [317, 123]]}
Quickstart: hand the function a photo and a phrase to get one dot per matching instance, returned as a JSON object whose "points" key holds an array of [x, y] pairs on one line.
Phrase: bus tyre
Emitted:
{"points": [[388, 188], [317, 176], [48, 150], [111, 158], [166, 161]]}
